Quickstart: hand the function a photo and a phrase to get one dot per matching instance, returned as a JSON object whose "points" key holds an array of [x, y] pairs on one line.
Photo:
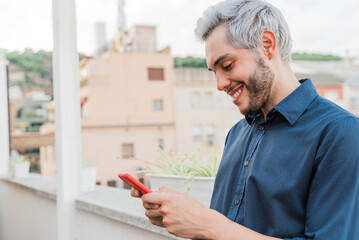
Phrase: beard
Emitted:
{"points": [[259, 86]]}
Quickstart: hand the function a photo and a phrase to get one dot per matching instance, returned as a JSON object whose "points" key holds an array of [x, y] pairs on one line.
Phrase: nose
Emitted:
{"points": [[222, 82]]}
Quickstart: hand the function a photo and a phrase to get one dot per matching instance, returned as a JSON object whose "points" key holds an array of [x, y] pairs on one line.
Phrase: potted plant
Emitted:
{"points": [[88, 176], [19, 165], [190, 172]]}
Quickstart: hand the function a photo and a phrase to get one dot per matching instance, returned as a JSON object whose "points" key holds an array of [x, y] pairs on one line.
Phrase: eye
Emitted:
{"points": [[227, 67]]}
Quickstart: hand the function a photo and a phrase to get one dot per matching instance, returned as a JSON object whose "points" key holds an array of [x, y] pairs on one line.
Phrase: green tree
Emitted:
{"points": [[201, 62], [190, 62], [315, 57]]}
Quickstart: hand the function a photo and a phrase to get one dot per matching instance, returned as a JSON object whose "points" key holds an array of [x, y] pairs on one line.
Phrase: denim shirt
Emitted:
{"points": [[294, 175]]}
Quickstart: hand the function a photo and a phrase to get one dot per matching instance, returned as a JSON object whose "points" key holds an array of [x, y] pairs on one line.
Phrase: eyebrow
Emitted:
{"points": [[219, 60]]}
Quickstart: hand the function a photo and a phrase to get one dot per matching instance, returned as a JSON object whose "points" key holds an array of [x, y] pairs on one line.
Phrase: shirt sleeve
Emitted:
{"points": [[332, 206]]}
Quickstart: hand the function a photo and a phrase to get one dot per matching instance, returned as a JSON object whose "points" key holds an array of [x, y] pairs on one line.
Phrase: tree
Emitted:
{"points": [[315, 57], [190, 62]]}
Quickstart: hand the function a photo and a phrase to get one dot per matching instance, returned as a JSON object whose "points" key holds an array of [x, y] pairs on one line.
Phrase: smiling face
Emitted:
{"points": [[242, 73]]}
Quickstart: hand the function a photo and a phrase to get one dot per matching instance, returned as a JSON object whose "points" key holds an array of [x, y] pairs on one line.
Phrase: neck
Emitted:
{"points": [[284, 83]]}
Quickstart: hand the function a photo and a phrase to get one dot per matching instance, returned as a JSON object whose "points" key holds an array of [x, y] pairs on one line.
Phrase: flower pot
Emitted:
{"points": [[200, 188], [20, 169], [88, 179]]}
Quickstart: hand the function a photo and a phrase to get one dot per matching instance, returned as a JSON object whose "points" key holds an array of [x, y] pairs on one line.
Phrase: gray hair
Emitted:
{"points": [[246, 20]]}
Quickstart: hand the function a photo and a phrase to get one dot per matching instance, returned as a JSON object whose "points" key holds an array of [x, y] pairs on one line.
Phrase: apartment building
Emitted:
{"points": [[127, 110], [204, 115], [336, 81]]}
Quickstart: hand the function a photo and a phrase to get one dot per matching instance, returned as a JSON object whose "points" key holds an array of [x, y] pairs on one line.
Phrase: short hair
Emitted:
{"points": [[246, 20]]}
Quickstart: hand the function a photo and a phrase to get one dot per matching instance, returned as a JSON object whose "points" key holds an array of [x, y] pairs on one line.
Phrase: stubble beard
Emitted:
{"points": [[259, 88]]}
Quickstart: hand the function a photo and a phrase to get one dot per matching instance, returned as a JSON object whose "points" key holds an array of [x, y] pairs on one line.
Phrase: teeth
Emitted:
{"points": [[236, 94]]}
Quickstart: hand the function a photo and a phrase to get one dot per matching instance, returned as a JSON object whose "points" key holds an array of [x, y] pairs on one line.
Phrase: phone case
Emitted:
{"points": [[133, 182]]}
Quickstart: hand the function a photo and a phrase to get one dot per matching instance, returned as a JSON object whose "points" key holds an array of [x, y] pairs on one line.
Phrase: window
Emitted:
{"points": [[156, 74], [197, 132], [210, 133], [127, 150], [111, 183], [195, 100], [157, 105], [208, 100]]}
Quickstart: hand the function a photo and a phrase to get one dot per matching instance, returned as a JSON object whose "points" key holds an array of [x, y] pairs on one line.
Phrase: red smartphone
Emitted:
{"points": [[133, 182]]}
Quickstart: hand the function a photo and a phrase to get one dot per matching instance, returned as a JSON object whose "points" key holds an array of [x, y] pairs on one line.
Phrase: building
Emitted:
{"points": [[16, 74], [337, 81], [204, 115], [127, 109], [31, 114], [141, 38]]}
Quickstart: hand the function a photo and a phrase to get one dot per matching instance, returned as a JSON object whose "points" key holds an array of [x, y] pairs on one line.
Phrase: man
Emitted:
{"points": [[290, 169]]}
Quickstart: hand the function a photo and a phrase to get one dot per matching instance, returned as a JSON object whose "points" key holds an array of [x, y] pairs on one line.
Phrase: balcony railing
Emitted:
{"points": [[28, 211]]}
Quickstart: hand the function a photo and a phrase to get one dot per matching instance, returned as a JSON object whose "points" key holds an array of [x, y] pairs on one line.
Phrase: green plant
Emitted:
{"points": [[188, 164], [17, 158]]}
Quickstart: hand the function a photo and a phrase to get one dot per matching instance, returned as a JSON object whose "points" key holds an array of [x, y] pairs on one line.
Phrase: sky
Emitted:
{"points": [[317, 26]]}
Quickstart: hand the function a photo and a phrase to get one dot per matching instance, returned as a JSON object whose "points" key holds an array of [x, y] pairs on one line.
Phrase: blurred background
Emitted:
{"points": [[145, 87]]}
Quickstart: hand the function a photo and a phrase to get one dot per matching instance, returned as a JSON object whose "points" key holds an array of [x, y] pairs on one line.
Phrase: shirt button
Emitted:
{"points": [[246, 163], [261, 127], [236, 201]]}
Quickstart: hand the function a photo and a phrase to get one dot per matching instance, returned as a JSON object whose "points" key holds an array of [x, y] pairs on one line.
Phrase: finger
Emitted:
{"points": [[157, 222], [152, 213], [135, 193], [164, 189], [150, 205], [154, 198]]}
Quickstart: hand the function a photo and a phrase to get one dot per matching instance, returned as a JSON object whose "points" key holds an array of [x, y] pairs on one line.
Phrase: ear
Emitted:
{"points": [[269, 44]]}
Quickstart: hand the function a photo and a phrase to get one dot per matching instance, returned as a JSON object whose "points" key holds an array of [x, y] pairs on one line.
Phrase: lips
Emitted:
{"points": [[236, 92]]}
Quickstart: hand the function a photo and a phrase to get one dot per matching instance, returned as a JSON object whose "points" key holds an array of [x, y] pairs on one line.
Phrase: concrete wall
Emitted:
{"points": [[25, 215], [94, 227], [28, 212]]}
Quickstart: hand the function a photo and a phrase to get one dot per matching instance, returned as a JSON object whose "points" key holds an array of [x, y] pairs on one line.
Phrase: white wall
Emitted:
{"points": [[27, 213], [94, 227]]}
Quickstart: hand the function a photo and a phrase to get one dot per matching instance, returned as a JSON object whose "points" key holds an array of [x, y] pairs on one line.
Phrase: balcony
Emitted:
{"points": [[28, 210], [42, 208]]}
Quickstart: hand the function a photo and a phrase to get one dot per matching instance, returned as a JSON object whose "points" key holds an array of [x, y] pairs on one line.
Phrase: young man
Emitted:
{"points": [[290, 169]]}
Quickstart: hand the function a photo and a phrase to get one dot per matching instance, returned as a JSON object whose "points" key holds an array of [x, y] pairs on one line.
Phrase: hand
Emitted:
{"points": [[179, 213], [185, 217], [135, 193]]}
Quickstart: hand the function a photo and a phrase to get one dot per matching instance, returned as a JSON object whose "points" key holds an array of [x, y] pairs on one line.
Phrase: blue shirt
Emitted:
{"points": [[294, 175]]}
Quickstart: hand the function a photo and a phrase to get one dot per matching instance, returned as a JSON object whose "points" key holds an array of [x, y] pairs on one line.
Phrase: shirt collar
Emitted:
{"points": [[293, 106]]}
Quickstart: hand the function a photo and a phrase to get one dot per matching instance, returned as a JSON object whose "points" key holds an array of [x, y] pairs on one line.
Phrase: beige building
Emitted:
{"points": [[204, 115], [337, 81], [127, 111]]}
